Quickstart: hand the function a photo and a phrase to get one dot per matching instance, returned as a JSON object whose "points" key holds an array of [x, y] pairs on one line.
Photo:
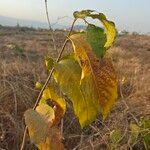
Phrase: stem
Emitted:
{"points": [[50, 27], [46, 82]]}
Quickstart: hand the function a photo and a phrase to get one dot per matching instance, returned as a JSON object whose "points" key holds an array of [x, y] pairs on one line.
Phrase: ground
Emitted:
{"points": [[22, 52]]}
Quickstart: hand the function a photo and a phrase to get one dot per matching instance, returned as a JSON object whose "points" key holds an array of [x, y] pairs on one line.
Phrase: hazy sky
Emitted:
{"points": [[132, 15]]}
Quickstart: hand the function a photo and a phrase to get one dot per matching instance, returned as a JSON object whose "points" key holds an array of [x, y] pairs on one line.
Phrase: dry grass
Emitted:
{"points": [[20, 71]]}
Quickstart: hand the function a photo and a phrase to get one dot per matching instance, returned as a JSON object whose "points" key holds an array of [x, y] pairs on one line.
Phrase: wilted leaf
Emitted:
{"points": [[135, 130], [41, 132], [37, 126], [101, 72], [68, 74], [53, 141], [58, 102]]}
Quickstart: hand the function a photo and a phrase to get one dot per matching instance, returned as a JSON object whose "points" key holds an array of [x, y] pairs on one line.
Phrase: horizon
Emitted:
{"points": [[130, 15]]}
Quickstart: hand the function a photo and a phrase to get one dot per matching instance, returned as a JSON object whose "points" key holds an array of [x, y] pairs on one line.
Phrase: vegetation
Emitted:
{"points": [[90, 84], [84, 78]]}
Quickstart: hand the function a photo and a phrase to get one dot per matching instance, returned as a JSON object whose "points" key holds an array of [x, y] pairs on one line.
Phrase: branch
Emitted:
{"points": [[50, 27], [47, 81]]}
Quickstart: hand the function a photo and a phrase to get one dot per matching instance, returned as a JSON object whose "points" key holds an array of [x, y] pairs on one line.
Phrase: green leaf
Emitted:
{"points": [[109, 28], [49, 62], [115, 136], [135, 131], [97, 39], [145, 125], [100, 71], [108, 25], [68, 74]]}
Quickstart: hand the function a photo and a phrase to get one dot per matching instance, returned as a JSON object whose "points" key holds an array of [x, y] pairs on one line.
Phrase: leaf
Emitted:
{"points": [[115, 136], [36, 126], [82, 14], [108, 25], [100, 71], [49, 62], [68, 74], [109, 28], [46, 112], [38, 85], [41, 131], [53, 141], [58, 102], [145, 125], [38, 122], [96, 38], [135, 131]]}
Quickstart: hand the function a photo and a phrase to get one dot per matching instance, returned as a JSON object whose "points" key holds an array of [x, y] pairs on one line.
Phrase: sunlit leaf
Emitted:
{"points": [[68, 74], [108, 25], [109, 28], [101, 72]]}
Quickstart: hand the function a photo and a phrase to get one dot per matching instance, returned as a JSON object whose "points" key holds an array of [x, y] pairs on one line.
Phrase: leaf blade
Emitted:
{"points": [[101, 71], [84, 104]]}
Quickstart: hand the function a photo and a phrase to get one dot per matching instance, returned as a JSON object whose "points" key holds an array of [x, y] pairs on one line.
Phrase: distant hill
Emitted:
{"points": [[8, 21], [78, 27]]}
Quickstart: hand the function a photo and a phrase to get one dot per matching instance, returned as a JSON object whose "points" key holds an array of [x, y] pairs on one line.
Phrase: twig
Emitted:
{"points": [[47, 81], [58, 19], [50, 27]]}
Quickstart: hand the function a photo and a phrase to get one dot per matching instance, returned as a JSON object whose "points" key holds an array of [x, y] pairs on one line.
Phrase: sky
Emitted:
{"points": [[130, 15]]}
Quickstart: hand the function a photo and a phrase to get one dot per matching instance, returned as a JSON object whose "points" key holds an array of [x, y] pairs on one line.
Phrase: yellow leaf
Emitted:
{"points": [[41, 131], [36, 126], [100, 70], [109, 28], [53, 141], [46, 112], [68, 74], [59, 103], [108, 25], [38, 85], [49, 62]]}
